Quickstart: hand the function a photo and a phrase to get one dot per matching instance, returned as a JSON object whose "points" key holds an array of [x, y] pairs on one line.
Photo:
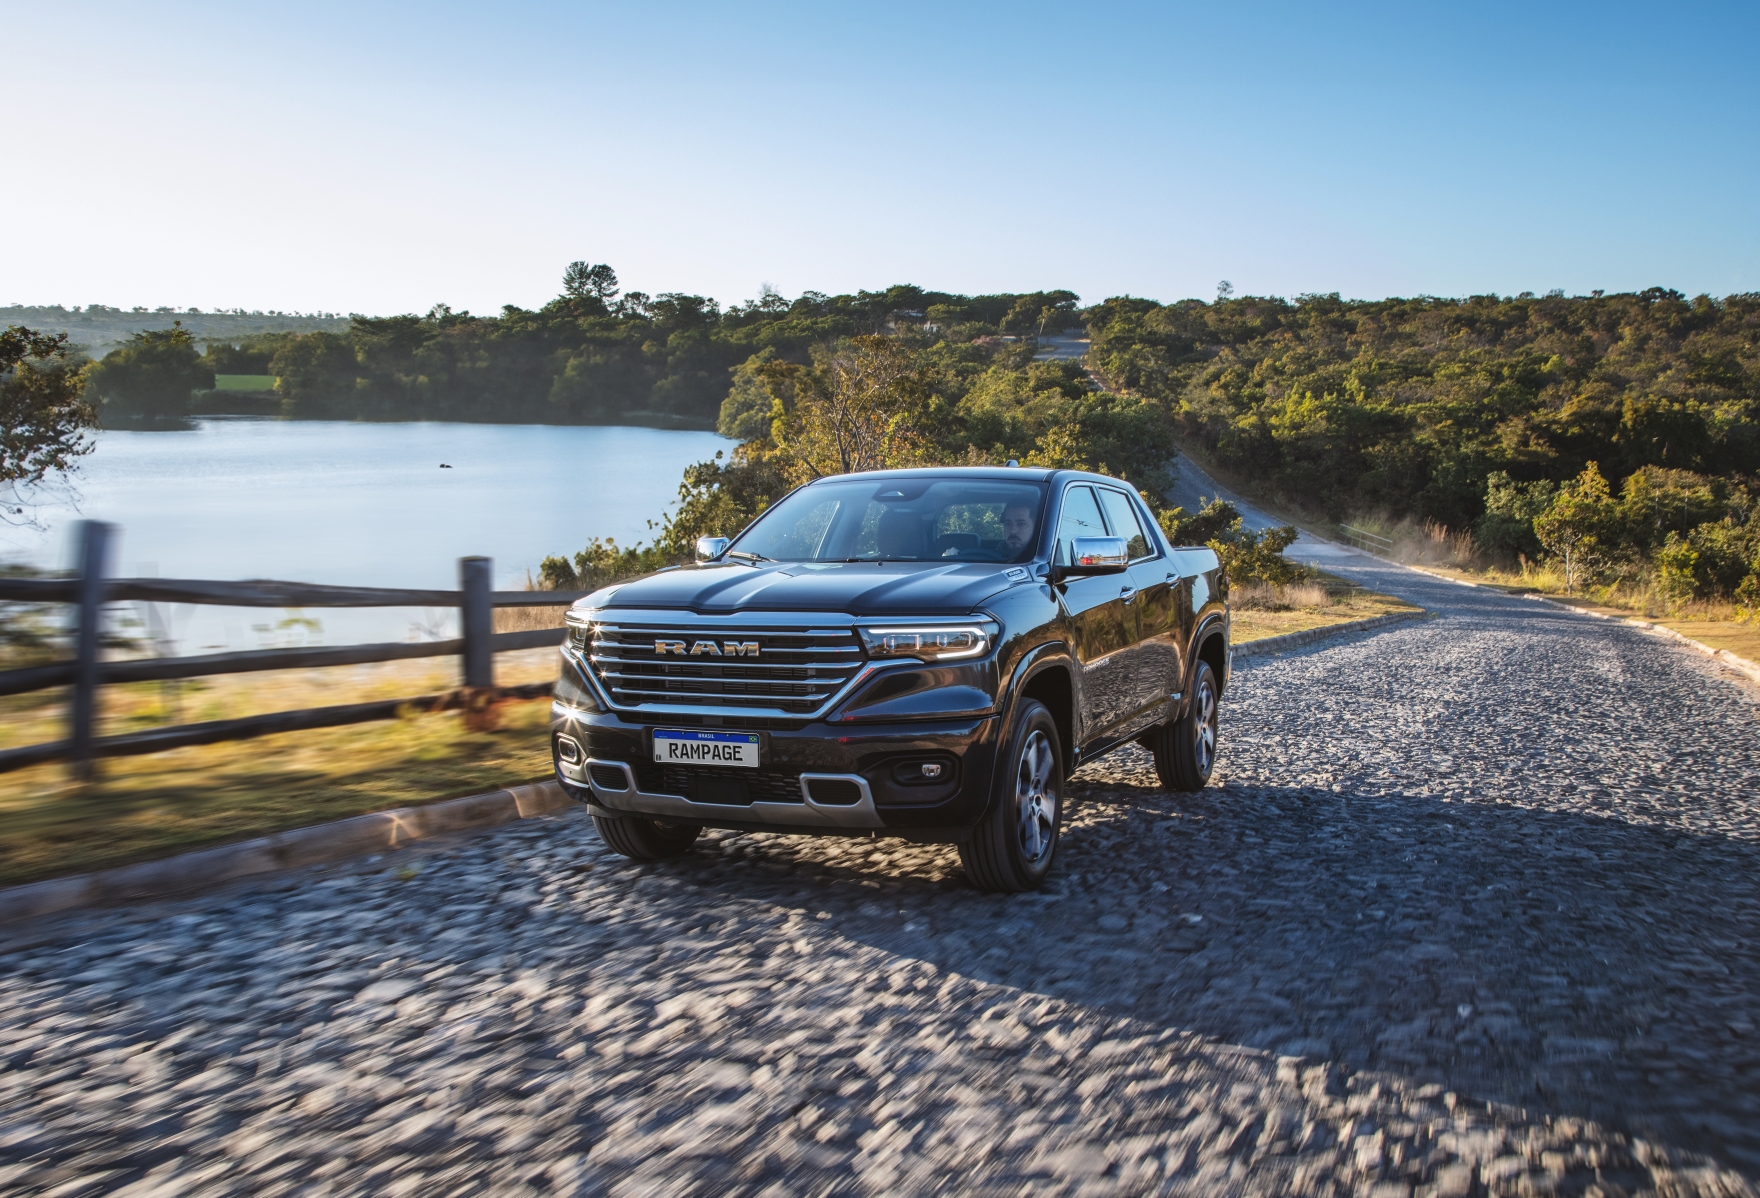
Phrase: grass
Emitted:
{"points": [[165, 803], [1710, 623], [244, 382], [1261, 610]]}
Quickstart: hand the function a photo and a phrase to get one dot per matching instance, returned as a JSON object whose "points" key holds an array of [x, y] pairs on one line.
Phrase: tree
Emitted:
{"points": [[43, 415], [1506, 530], [151, 375], [860, 409], [1576, 525], [581, 281]]}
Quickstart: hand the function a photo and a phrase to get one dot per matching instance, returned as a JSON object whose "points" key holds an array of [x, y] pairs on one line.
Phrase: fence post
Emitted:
{"points": [[478, 621], [94, 552]]}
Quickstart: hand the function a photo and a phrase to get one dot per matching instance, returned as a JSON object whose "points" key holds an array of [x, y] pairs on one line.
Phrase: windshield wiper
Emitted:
{"points": [[750, 557]]}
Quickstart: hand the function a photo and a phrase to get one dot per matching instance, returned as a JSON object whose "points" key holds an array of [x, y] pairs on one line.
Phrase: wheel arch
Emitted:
{"points": [[1045, 674], [1213, 651]]}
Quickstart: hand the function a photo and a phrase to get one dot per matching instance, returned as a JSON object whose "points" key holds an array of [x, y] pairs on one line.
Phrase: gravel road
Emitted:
{"points": [[1472, 908]]}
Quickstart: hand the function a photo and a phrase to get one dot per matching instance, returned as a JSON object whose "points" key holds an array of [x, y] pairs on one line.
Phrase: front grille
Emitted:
{"points": [[717, 784], [708, 784], [795, 670]]}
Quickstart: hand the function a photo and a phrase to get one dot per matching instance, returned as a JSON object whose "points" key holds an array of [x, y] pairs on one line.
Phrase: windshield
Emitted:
{"points": [[901, 520]]}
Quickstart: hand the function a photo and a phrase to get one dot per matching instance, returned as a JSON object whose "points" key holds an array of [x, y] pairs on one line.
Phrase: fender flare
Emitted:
{"points": [[1214, 624], [1047, 655]]}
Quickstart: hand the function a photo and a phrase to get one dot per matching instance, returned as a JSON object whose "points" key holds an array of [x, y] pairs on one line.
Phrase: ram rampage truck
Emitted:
{"points": [[916, 653]]}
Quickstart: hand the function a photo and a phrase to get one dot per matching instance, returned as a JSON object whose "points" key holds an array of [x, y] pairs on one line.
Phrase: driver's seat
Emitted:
{"points": [[899, 534]]}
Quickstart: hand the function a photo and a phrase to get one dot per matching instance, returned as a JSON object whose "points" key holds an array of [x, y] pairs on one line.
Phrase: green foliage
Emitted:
{"points": [[151, 376], [1506, 529], [1710, 560], [1579, 525], [1218, 521], [600, 564], [1406, 406], [43, 412], [1257, 556]]}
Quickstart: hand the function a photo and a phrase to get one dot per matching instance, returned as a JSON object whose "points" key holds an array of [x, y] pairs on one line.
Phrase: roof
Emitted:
{"points": [[990, 473]]}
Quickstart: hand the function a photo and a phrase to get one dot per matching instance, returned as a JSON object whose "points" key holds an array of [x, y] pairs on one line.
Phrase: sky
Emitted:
{"points": [[384, 157]]}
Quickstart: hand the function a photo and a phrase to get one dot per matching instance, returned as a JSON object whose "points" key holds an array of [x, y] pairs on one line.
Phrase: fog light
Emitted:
{"points": [[568, 750]]}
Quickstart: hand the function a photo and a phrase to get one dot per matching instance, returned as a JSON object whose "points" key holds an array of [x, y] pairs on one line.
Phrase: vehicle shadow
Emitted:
{"points": [[1563, 963]]}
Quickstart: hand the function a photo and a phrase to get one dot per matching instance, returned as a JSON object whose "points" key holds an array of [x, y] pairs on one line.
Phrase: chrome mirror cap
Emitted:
{"points": [[710, 548], [1098, 555]]}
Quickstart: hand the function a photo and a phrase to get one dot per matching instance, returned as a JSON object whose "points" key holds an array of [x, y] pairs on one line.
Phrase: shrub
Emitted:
{"points": [[1506, 530], [1257, 556]]}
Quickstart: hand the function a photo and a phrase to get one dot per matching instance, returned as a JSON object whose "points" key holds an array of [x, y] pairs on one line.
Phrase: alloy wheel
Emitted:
{"points": [[1206, 730], [1035, 797]]}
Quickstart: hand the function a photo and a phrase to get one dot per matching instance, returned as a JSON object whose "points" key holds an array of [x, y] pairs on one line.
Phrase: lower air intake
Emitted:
{"points": [[609, 777]]}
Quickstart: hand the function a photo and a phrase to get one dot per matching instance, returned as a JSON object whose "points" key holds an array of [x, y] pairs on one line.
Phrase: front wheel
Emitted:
{"points": [[1185, 749], [1012, 849], [646, 839]]}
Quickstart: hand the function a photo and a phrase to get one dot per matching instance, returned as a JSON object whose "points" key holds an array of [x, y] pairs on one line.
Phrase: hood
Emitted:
{"points": [[858, 588]]}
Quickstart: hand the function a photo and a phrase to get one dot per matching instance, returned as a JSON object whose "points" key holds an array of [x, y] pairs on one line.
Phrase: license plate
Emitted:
{"points": [[680, 746]]}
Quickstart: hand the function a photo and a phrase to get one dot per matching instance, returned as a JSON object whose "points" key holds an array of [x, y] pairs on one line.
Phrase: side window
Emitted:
{"points": [[1081, 518], [1121, 515]]}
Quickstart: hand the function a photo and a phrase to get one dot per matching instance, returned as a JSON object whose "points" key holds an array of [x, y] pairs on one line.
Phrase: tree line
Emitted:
{"points": [[595, 354], [1501, 418]]}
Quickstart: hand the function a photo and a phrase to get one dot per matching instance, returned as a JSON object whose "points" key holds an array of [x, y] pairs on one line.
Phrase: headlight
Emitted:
{"points": [[580, 621], [929, 642]]}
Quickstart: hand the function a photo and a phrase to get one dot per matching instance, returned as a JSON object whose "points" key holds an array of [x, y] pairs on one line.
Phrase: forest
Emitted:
{"points": [[1615, 435]]}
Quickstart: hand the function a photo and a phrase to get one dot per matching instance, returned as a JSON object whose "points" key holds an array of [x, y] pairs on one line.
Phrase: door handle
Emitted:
{"points": [[1170, 576], [1127, 593]]}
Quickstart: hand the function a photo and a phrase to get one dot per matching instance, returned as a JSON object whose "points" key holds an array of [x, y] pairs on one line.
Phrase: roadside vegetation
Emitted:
{"points": [[163, 803]]}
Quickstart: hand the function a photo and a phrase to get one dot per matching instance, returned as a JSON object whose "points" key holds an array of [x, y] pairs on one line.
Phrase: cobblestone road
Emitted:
{"points": [[1473, 908]]}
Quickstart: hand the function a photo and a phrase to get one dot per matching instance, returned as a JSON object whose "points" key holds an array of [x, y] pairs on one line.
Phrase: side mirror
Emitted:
{"points": [[1096, 555], [710, 548]]}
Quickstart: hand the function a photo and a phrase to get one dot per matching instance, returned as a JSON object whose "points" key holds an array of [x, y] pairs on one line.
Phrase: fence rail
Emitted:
{"points": [[85, 673], [1362, 538]]}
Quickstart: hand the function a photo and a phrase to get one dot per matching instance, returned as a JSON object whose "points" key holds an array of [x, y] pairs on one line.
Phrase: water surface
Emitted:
{"points": [[360, 504]]}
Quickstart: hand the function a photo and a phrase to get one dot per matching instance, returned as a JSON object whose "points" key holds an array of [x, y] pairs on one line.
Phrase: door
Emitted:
{"points": [[1102, 623], [1152, 660]]}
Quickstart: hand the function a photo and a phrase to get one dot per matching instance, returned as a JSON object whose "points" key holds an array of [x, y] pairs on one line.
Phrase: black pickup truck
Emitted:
{"points": [[914, 653]]}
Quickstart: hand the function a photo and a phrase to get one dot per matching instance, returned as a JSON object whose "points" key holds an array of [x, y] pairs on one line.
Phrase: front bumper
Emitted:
{"points": [[819, 777]]}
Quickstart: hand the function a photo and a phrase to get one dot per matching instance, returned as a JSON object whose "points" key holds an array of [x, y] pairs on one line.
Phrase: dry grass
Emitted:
{"points": [[1265, 596], [520, 619], [1419, 543], [1261, 610], [1710, 622], [163, 803]]}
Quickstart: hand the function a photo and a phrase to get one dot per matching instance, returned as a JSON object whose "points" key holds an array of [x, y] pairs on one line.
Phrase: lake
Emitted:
{"points": [[358, 504]]}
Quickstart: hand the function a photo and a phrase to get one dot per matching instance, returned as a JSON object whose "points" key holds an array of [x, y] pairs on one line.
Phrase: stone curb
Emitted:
{"points": [[371, 833], [1740, 665], [1294, 640]]}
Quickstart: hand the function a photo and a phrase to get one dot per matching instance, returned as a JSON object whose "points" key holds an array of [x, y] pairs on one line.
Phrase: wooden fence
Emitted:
{"points": [[91, 589]]}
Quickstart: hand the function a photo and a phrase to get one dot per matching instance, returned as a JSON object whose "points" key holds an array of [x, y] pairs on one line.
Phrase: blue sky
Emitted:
{"points": [[384, 157]]}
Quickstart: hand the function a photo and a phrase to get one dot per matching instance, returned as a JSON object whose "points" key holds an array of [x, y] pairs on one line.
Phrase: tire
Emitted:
{"points": [[1185, 750], [1013, 848], [646, 839]]}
